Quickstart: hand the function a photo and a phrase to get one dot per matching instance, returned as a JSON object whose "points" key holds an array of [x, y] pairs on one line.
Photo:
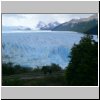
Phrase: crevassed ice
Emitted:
{"points": [[38, 48]]}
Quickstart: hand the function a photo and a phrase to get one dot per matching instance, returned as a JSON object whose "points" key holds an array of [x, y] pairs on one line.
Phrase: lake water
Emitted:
{"points": [[38, 48]]}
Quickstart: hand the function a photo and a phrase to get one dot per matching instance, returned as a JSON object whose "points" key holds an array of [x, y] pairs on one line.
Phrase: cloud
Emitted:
{"points": [[31, 20], [13, 15]]}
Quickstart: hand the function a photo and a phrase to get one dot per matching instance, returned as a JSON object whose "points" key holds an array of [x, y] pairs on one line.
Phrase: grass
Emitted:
{"points": [[56, 79]]}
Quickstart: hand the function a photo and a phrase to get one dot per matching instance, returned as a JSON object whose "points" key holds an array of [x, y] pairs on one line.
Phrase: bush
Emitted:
{"points": [[50, 69], [10, 69], [55, 68], [7, 69]]}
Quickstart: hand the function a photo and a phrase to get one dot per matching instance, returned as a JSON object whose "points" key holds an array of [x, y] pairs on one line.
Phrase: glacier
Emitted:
{"points": [[38, 48]]}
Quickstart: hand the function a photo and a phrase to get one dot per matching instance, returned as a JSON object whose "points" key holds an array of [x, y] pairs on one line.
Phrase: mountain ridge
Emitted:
{"points": [[79, 25], [42, 26], [15, 28]]}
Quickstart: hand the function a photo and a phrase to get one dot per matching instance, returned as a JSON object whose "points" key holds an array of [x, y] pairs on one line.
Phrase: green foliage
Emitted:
{"points": [[45, 69], [7, 69], [16, 75], [10, 69], [50, 69], [37, 70], [12, 82], [46, 81], [55, 67], [83, 67]]}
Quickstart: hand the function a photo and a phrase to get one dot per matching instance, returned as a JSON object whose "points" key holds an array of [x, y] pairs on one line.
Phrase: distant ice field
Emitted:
{"points": [[31, 48]]}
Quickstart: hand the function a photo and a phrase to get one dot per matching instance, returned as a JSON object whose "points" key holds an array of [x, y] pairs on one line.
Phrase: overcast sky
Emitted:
{"points": [[31, 20]]}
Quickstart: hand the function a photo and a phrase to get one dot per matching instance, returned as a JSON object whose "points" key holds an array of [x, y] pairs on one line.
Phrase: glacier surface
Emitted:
{"points": [[38, 48]]}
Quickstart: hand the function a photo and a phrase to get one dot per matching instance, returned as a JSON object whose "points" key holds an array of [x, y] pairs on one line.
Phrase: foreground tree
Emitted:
{"points": [[83, 67]]}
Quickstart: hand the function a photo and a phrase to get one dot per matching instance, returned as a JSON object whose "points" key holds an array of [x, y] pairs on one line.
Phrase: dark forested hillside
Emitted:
{"points": [[93, 30], [80, 25]]}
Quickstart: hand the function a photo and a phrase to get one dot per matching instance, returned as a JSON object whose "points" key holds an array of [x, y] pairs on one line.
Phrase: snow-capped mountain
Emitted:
{"points": [[79, 25], [42, 26]]}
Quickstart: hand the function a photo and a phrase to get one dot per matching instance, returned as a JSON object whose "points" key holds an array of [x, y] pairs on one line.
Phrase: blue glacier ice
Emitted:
{"points": [[35, 48]]}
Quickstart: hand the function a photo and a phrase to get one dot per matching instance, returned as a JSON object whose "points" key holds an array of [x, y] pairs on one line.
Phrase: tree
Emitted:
{"points": [[55, 67], [83, 66], [10, 69], [51, 68], [37, 70], [45, 69], [7, 69]]}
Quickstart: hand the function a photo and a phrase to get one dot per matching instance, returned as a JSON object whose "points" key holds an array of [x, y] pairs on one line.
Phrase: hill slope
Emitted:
{"points": [[79, 25]]}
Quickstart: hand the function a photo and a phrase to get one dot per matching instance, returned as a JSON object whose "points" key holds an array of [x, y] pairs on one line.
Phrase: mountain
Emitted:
{"points": [[79, 25], [93, 30], [42, 26], [23, 28], [15, 28]]}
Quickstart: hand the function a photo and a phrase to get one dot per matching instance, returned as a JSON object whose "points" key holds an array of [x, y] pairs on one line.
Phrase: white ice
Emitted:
{"points": [[38, 48]]}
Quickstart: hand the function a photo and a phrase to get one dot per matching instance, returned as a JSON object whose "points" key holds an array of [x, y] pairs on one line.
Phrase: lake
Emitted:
{"points": [[36, 48]]}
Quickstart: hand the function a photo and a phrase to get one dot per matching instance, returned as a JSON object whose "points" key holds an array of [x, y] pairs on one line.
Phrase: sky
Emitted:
{"points": [[31, 20]]}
